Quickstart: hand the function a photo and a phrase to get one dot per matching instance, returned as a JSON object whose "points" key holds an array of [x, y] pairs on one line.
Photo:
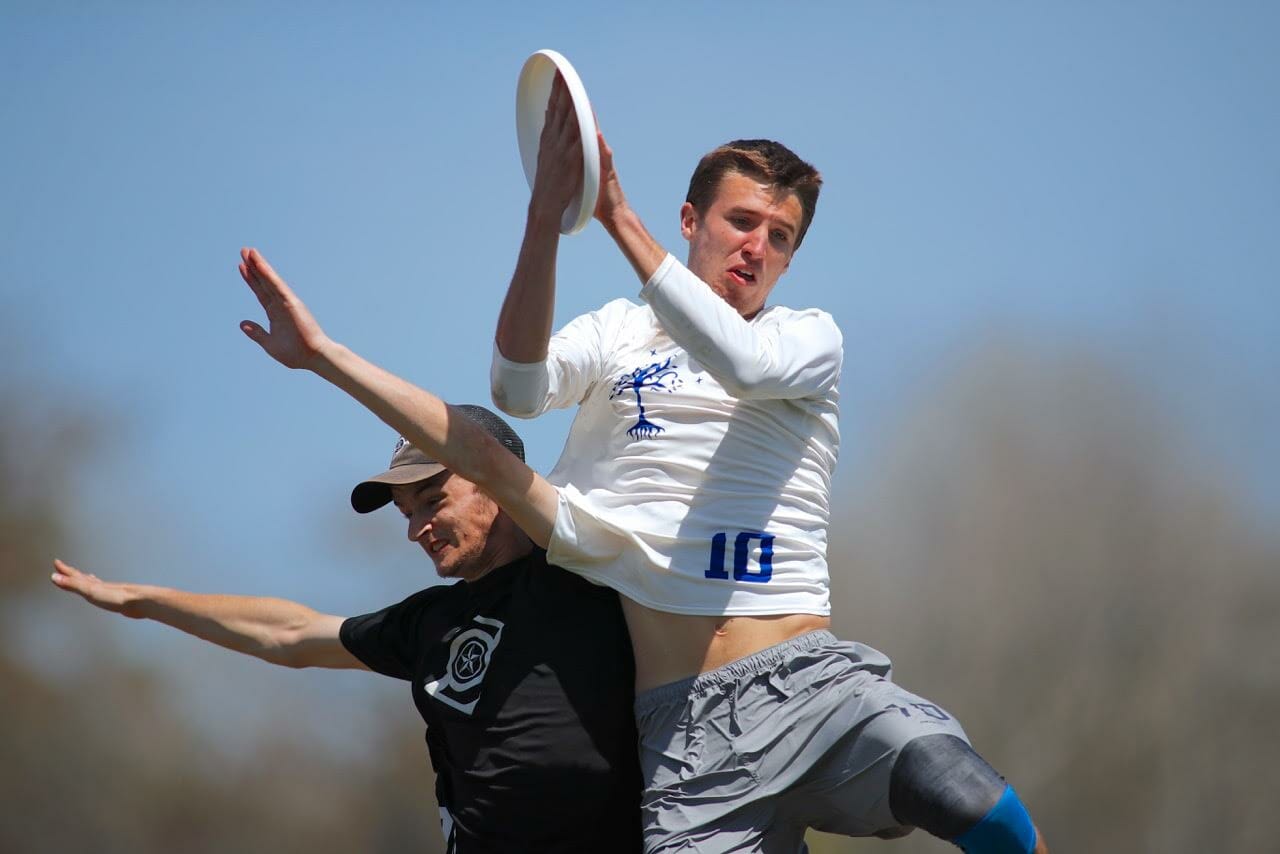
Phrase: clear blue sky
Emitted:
{"points": [[1100, 175]]}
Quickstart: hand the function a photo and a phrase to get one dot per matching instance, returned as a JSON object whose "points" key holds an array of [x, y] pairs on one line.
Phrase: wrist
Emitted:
{"points": [[643, 252], [618, 218], [326, 357], [542, 221], [138, 601]]}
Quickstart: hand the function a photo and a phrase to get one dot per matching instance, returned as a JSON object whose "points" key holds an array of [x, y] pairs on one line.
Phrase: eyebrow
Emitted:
{"points": [[783, 224], [422, 487]]}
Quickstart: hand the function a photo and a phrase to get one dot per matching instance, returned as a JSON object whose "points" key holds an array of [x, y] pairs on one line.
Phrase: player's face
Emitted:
{"points": [[450, 518], [743, 242]]}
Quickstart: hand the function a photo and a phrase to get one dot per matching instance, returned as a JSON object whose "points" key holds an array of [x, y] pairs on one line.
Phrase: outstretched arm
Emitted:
{"points": [[274, 630], [296, 341]]}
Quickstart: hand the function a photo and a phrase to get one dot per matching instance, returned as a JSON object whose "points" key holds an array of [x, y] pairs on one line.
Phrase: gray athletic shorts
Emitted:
{"points": [[802, 734]]}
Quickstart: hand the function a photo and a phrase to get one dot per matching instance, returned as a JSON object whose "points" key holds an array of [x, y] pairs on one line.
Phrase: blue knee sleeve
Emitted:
{"points": [[1007, 829]]}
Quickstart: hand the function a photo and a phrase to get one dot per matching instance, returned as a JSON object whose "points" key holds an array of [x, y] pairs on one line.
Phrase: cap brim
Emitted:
{"points": [[376, 491]]}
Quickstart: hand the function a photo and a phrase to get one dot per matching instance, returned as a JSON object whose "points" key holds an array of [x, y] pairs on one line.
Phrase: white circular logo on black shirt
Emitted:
{"points": [[469, 658], [469, 655]]}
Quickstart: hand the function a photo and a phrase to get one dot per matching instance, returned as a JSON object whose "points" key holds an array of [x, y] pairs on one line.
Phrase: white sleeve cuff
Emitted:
{"points": [[652, 285], [518, 388]]}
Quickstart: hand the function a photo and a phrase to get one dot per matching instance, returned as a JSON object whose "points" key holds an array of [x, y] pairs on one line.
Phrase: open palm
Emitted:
{"points": [[293, 338]]}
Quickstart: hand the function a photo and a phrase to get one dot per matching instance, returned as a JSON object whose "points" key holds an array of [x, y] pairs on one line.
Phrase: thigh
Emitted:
{"points": [[723, 754], [700, 792]]}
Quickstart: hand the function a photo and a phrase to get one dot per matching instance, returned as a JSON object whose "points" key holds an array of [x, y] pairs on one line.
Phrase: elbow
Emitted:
{"points": [[758, 379], [290, 656], [479, 457], [283, 648], [281, 654], [519, 390], [515, 405], [486, 469], [744, 381]]}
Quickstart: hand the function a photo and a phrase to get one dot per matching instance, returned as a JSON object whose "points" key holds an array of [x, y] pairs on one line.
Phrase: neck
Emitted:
{"points": [[506, 543]]}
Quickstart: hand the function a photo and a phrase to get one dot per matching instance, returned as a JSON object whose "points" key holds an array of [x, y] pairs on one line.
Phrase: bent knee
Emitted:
{"points": [[941, 785]]}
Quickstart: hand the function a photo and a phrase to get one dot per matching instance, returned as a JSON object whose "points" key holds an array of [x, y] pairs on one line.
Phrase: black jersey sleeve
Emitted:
{"points": [[389, 641]]}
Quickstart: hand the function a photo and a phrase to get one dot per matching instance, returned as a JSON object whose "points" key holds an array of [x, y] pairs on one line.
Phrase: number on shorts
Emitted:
{"points": [[742, 553]]}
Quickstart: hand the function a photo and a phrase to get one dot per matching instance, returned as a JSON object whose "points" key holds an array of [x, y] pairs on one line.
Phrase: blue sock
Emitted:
{"points": [[1006, 829]]}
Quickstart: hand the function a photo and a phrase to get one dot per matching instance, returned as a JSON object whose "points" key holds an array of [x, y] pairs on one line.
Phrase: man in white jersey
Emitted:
{"points": [[696, 482]]}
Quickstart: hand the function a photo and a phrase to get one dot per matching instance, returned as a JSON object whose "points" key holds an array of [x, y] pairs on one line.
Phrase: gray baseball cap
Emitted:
{"points": [[409, 465]]}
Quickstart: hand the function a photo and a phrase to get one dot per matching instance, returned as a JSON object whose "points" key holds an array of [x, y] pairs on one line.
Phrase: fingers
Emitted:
{"points": [[567, 126], [253, 279], [66, 576], [559, 102], [266, 283], [563, 105], [258, 290], [557, 94], [250, 272], [265, 270], [560, 124]]}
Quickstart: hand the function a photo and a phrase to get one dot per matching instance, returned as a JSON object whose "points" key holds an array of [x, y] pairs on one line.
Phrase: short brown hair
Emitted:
{"points": [[771, 162]]}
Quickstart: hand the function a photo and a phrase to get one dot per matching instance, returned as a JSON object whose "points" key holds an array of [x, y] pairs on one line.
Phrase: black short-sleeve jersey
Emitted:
{"points": [[525, 680]]}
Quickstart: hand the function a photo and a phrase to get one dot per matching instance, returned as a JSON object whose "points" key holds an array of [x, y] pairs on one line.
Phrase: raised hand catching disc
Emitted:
{"points": [[539, 99]]}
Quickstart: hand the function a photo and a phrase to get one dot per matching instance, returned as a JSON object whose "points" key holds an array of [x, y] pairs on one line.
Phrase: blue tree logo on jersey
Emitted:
{"points": [[659, 375]]}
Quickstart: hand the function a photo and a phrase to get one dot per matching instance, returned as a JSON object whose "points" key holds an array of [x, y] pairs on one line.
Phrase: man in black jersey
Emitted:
{"points": [[523, 672]]}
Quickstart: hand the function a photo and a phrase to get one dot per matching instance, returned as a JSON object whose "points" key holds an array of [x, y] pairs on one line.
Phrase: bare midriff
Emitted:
{"points": [[670, 647]]}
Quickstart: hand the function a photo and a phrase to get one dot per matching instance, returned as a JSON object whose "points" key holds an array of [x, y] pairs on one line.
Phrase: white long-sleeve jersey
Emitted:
{"points": [[696, 478]]}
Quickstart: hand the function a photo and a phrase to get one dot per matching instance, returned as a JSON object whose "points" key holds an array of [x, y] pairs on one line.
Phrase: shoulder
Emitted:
{"points": [[603, 322], [385, 639], [616, 321], [565, 582], [623, 311], [425, 599], [782, 314], [615, 311]]}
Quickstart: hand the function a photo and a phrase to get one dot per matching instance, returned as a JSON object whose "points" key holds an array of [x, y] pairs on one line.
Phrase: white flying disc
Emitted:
{"points": [[532, 94]]}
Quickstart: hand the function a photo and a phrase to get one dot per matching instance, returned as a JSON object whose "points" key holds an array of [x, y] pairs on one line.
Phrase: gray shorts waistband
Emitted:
{"points": [[752, 664]]}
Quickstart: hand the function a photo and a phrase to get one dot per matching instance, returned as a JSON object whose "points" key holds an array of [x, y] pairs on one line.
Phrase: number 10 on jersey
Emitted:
{"points": [[745, 549]]}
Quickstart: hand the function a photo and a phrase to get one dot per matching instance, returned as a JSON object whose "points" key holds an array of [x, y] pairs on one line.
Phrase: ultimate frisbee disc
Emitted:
{"points": [[532, 93]]}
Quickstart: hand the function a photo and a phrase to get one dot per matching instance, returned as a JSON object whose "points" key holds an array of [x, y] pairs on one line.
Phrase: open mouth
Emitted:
{"points": [[436, 547], [742, 277]]}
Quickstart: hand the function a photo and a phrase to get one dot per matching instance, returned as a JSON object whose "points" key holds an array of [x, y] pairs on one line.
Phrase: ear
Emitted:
{"points": [[688, 220]]}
